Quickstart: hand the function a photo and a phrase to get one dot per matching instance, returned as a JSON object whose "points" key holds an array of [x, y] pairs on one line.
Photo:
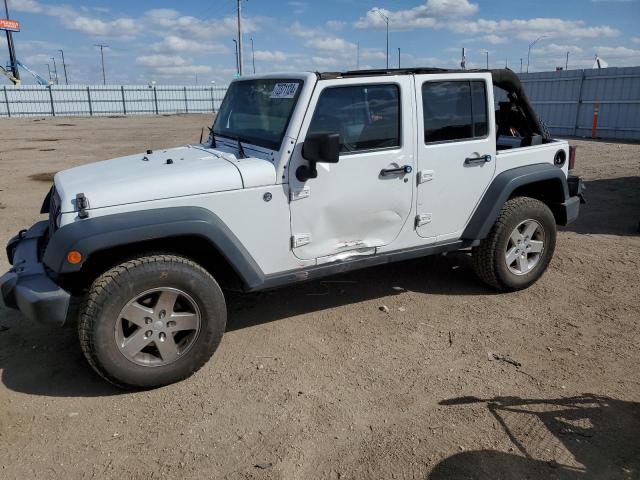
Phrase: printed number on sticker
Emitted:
{"points": [[284, 90]]}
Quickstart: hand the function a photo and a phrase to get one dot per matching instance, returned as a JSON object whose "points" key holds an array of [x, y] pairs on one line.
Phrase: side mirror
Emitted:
{"points": [[318, 148]]}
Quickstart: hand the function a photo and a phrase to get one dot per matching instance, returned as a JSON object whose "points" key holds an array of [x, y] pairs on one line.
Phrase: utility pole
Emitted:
{"points": [[237, 64], [64, 66], [531, 46], [102, 47], [386, 20], [240, 63], [463, 60], [487, 54], [12, 49], [398, 57], [55, 70], [566, 65], [253, 57], [521, 65]]}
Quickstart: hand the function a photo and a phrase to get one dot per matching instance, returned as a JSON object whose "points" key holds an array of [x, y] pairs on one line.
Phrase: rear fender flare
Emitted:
{"points": [[501, 189]]}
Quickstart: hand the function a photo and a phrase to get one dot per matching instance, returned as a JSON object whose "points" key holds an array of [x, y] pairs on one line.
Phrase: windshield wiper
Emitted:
{"points": [[241, 149], [239, 141], [213, 138]]}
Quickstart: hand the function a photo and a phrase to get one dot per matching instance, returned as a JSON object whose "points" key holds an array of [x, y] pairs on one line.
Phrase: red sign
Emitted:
{"points": [[11, 25]]}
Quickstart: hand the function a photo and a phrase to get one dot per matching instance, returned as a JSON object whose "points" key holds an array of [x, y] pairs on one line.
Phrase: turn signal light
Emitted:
{"points": [[74, 257], [572, 157]]}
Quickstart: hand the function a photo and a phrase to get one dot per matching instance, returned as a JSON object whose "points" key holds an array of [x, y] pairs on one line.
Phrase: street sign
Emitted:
{"points": [[11, 25]]}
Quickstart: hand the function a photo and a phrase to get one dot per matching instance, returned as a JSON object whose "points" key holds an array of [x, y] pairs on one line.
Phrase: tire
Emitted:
{"points": [[507, 265], [167, 308]]}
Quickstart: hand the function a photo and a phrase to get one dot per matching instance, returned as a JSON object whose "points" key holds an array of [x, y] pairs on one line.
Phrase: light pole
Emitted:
{"points": [[386, 20], [253, 56], [102, 47], [64, 66], [398, 57], [240, 51], [521, 65], [12, 50], [55, 70], [237, 63], [530, 47], [566, 64]]}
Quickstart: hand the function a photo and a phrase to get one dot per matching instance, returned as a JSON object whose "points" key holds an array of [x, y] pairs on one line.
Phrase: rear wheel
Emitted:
{"points": [[519, 247], [151, 321]]}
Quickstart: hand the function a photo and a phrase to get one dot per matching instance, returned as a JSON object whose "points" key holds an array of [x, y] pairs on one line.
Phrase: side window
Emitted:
{"points": [[454, 110], [367, 117]]}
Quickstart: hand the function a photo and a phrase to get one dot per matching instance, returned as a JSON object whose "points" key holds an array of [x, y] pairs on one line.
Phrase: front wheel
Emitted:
{"points": [[151, 321], [519, 247]]}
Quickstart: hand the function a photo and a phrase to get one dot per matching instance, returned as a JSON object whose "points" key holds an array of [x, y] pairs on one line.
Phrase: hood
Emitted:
{"points": [[175, 172]]}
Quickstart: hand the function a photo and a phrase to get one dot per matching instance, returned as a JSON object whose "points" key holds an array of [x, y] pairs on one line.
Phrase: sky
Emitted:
{"points": [[191, 41]]}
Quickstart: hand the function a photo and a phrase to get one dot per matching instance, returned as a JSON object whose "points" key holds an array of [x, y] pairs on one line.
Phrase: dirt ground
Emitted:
{"points": [[316, 382]]}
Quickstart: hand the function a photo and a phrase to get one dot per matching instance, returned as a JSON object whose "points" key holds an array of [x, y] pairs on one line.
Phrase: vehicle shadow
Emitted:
{"points": [[613, 207], [42, 360], [582, 437], [438, 275]]}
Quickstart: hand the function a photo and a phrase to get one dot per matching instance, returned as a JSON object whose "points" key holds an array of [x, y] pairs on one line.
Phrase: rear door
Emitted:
{"points": [[456, 150]]}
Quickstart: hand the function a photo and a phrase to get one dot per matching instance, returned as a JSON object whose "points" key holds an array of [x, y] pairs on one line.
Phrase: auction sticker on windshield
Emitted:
{"points": [[284, 90]]}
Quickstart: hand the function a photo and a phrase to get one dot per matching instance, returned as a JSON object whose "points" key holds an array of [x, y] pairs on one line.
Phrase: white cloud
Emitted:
{"points": [[176, 44], [166, 20], [494, 39], [155, 61], [617, 52], [422, 16], [335, 25], [269, 56], [635, 39], [331, 44], [533, 28], [553, 48], [27, 6], [298, 7]]}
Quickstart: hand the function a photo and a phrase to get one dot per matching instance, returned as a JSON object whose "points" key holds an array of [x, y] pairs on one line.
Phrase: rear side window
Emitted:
{"points": [[454, 110], [367, 117]]}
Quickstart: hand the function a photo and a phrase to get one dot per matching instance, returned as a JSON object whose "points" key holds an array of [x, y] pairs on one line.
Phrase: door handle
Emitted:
{"points": [[477, 160], [396, 171]]}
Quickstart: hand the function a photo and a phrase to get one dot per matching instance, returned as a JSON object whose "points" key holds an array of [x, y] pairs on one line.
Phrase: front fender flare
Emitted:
{"points": [[101, 233], [501, 189]]}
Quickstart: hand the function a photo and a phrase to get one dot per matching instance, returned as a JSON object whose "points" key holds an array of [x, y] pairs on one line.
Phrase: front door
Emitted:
{"points": [[456, 151], [363, 201]]}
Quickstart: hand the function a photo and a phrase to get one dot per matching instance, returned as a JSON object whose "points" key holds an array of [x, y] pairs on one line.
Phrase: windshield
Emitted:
{"points": [[258, 111]]}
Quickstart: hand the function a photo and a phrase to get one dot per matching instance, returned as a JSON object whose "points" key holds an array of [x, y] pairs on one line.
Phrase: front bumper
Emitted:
{"points": [[26, 286]]}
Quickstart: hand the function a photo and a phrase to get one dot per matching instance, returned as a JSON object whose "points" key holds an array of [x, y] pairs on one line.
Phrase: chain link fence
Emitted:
{"points": [[72, 100]]}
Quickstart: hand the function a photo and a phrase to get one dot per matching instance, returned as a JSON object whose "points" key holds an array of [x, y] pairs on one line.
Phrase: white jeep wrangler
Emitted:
{"points": [[303, 175]]}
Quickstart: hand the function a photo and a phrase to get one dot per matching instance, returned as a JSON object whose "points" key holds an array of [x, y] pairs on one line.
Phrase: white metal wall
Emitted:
{"points": [[566, 101], [75, 100]]}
